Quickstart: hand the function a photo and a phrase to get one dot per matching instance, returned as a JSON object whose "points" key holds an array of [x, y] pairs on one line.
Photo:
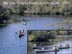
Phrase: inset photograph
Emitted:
{"points": [[49, 41]]}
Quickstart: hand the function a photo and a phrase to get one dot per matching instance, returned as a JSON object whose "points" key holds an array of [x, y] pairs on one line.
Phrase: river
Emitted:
{"points": [[9, 40]]}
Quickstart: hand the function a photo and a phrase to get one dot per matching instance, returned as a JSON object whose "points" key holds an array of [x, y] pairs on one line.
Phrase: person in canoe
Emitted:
{"points": [[60, 46], [36, 47], [67, 46], [55, 49], [21, 33]]}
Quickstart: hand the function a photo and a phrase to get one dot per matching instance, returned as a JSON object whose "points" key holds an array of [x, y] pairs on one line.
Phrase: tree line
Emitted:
{"points": [[46, 36], [4, 15]]}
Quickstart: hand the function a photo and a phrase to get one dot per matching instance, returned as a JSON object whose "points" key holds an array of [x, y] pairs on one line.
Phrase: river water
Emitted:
{"points": [[10, 42]]}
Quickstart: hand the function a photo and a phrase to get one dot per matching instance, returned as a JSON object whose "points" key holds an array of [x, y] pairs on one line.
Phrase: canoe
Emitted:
{"points": [[21, 34], [43, 51], [36, 47]]}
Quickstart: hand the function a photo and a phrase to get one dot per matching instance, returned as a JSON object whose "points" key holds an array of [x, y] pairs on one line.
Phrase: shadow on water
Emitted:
{"points": [[3, 25]]}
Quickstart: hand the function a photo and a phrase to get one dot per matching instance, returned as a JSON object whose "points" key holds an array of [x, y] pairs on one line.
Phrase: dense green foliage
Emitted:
{"points": [[40, 36], [18, 9], [46, 36], [4, 15], [49, 7]]}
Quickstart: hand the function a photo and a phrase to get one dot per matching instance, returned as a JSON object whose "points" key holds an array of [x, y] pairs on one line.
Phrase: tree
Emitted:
{"points": [[4, 15], [40, 36], [22, 9]]}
